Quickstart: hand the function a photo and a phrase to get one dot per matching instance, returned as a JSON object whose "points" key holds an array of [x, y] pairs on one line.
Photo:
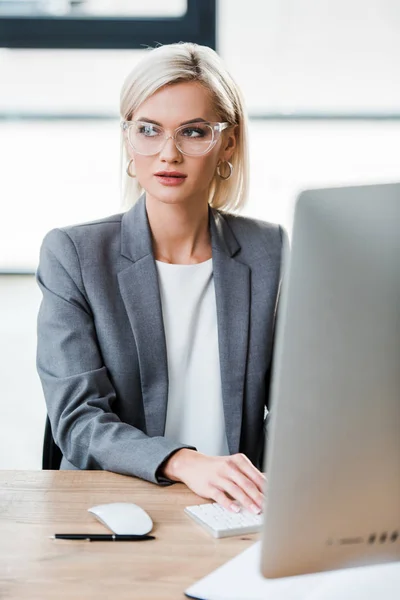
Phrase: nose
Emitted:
{"points": [[169, 152]]}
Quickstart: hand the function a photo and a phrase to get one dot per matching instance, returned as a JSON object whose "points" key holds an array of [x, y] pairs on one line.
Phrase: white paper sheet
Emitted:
{"points": [[240, 579]]}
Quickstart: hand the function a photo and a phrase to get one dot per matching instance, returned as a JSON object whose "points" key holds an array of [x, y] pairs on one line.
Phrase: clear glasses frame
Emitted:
{"points": [[216, 129]]}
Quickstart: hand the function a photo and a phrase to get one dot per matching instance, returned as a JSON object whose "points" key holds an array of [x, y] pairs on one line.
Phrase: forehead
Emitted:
{"points": [[178, 102]]}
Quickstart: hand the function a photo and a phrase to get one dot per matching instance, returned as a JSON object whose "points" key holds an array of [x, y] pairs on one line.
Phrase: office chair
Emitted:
{"points": [[52, 455]]}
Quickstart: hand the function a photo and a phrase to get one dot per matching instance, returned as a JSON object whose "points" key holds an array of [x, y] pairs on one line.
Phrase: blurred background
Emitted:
{"points": [[321, 81]]}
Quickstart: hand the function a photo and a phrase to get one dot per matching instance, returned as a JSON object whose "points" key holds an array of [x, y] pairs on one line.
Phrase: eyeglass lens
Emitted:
{"points": [[149, 139]]}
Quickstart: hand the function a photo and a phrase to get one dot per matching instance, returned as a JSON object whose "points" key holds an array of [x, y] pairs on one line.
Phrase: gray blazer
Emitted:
{"points": [[101, 353]]}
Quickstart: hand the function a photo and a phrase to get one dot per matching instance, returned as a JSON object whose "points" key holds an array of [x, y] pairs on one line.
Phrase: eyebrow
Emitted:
{"points": [[197, 120]]}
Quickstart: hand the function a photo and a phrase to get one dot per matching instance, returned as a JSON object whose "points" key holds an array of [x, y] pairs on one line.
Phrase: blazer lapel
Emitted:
{"points": [[232, 291], [140, 293]]}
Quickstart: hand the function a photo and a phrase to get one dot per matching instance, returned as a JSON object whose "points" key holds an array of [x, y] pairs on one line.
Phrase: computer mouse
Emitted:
{"points": [[123, 518]]}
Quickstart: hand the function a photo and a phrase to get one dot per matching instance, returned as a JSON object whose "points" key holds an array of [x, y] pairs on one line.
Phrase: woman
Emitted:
{"points": [[155, 329]]}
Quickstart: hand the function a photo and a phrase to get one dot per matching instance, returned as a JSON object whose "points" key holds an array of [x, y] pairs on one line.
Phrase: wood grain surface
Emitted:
{"points": [[37, 504]]}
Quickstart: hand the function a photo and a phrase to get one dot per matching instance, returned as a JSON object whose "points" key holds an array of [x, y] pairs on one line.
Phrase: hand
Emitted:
{"points": [[228, 480]]}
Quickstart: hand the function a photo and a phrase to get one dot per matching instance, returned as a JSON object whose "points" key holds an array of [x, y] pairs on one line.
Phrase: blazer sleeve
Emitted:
{"points": [[78, 392]]}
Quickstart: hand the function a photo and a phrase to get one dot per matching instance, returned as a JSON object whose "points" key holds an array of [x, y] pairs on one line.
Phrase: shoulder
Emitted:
{"points": [[255, 232], [104, 223], [250, 226], [90, 229], [90, 234]]}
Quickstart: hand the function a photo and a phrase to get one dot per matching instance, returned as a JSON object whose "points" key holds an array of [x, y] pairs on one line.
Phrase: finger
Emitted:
{"points": [[219, 496], [247, 467], [250, 469], [251, 492], [246, 476], [239, 494]]}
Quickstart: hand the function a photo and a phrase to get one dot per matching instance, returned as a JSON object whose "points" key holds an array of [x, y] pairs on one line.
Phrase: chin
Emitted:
{"points": [[170, 196]]}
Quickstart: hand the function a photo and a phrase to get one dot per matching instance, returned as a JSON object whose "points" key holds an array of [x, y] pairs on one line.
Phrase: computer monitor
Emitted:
{"points": [[333, 454]]}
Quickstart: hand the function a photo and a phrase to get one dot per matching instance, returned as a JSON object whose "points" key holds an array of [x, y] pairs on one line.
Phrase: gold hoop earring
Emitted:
{"points": [[127, 169], [225, 177]]}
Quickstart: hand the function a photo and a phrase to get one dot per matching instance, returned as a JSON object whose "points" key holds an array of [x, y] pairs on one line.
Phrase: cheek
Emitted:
{"points": [[203, 168], [143, 167]]}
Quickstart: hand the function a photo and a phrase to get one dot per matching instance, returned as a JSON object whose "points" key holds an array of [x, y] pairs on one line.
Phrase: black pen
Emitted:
{"points": [[101, 537]]}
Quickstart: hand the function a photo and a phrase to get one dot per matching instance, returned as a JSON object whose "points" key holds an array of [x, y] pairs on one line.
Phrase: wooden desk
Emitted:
{"points": [[36, 504]]}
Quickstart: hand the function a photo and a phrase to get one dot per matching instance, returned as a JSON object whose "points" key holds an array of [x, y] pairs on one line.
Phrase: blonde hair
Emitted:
{"points": [[176, 63]]}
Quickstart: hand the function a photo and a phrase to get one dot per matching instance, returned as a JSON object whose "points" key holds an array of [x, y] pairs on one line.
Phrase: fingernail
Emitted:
{"points": [[235, 507], [254, 509]]}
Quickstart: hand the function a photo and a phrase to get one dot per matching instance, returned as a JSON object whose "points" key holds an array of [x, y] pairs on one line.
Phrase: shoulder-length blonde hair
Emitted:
{"points": [[176, 63]]}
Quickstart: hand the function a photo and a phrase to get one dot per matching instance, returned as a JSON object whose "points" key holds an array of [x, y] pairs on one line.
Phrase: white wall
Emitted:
{"points": [[314, 55]]}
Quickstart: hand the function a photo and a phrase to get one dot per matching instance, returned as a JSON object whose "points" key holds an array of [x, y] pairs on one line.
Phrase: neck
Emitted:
{"points": [[180, 232]]}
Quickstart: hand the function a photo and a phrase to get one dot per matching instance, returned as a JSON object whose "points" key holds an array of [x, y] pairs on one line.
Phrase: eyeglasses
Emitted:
{"points": [[193, 139]]}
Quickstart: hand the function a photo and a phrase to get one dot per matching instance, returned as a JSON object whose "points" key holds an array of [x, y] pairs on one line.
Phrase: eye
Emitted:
{"points": [[148, 130], [193, 132]]}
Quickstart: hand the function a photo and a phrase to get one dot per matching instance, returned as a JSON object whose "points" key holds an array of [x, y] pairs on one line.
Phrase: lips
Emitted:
{"points": [[174, 174]]}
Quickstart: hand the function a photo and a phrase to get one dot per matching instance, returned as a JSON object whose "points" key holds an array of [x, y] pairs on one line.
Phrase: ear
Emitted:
{"points": [[228, 143], [128, 148]]}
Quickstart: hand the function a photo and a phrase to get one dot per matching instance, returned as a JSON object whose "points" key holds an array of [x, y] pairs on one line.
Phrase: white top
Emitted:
{"points": [[195, 411]]}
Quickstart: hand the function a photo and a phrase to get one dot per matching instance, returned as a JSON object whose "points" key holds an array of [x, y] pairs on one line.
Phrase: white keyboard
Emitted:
{"points": [[221, 522]]}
